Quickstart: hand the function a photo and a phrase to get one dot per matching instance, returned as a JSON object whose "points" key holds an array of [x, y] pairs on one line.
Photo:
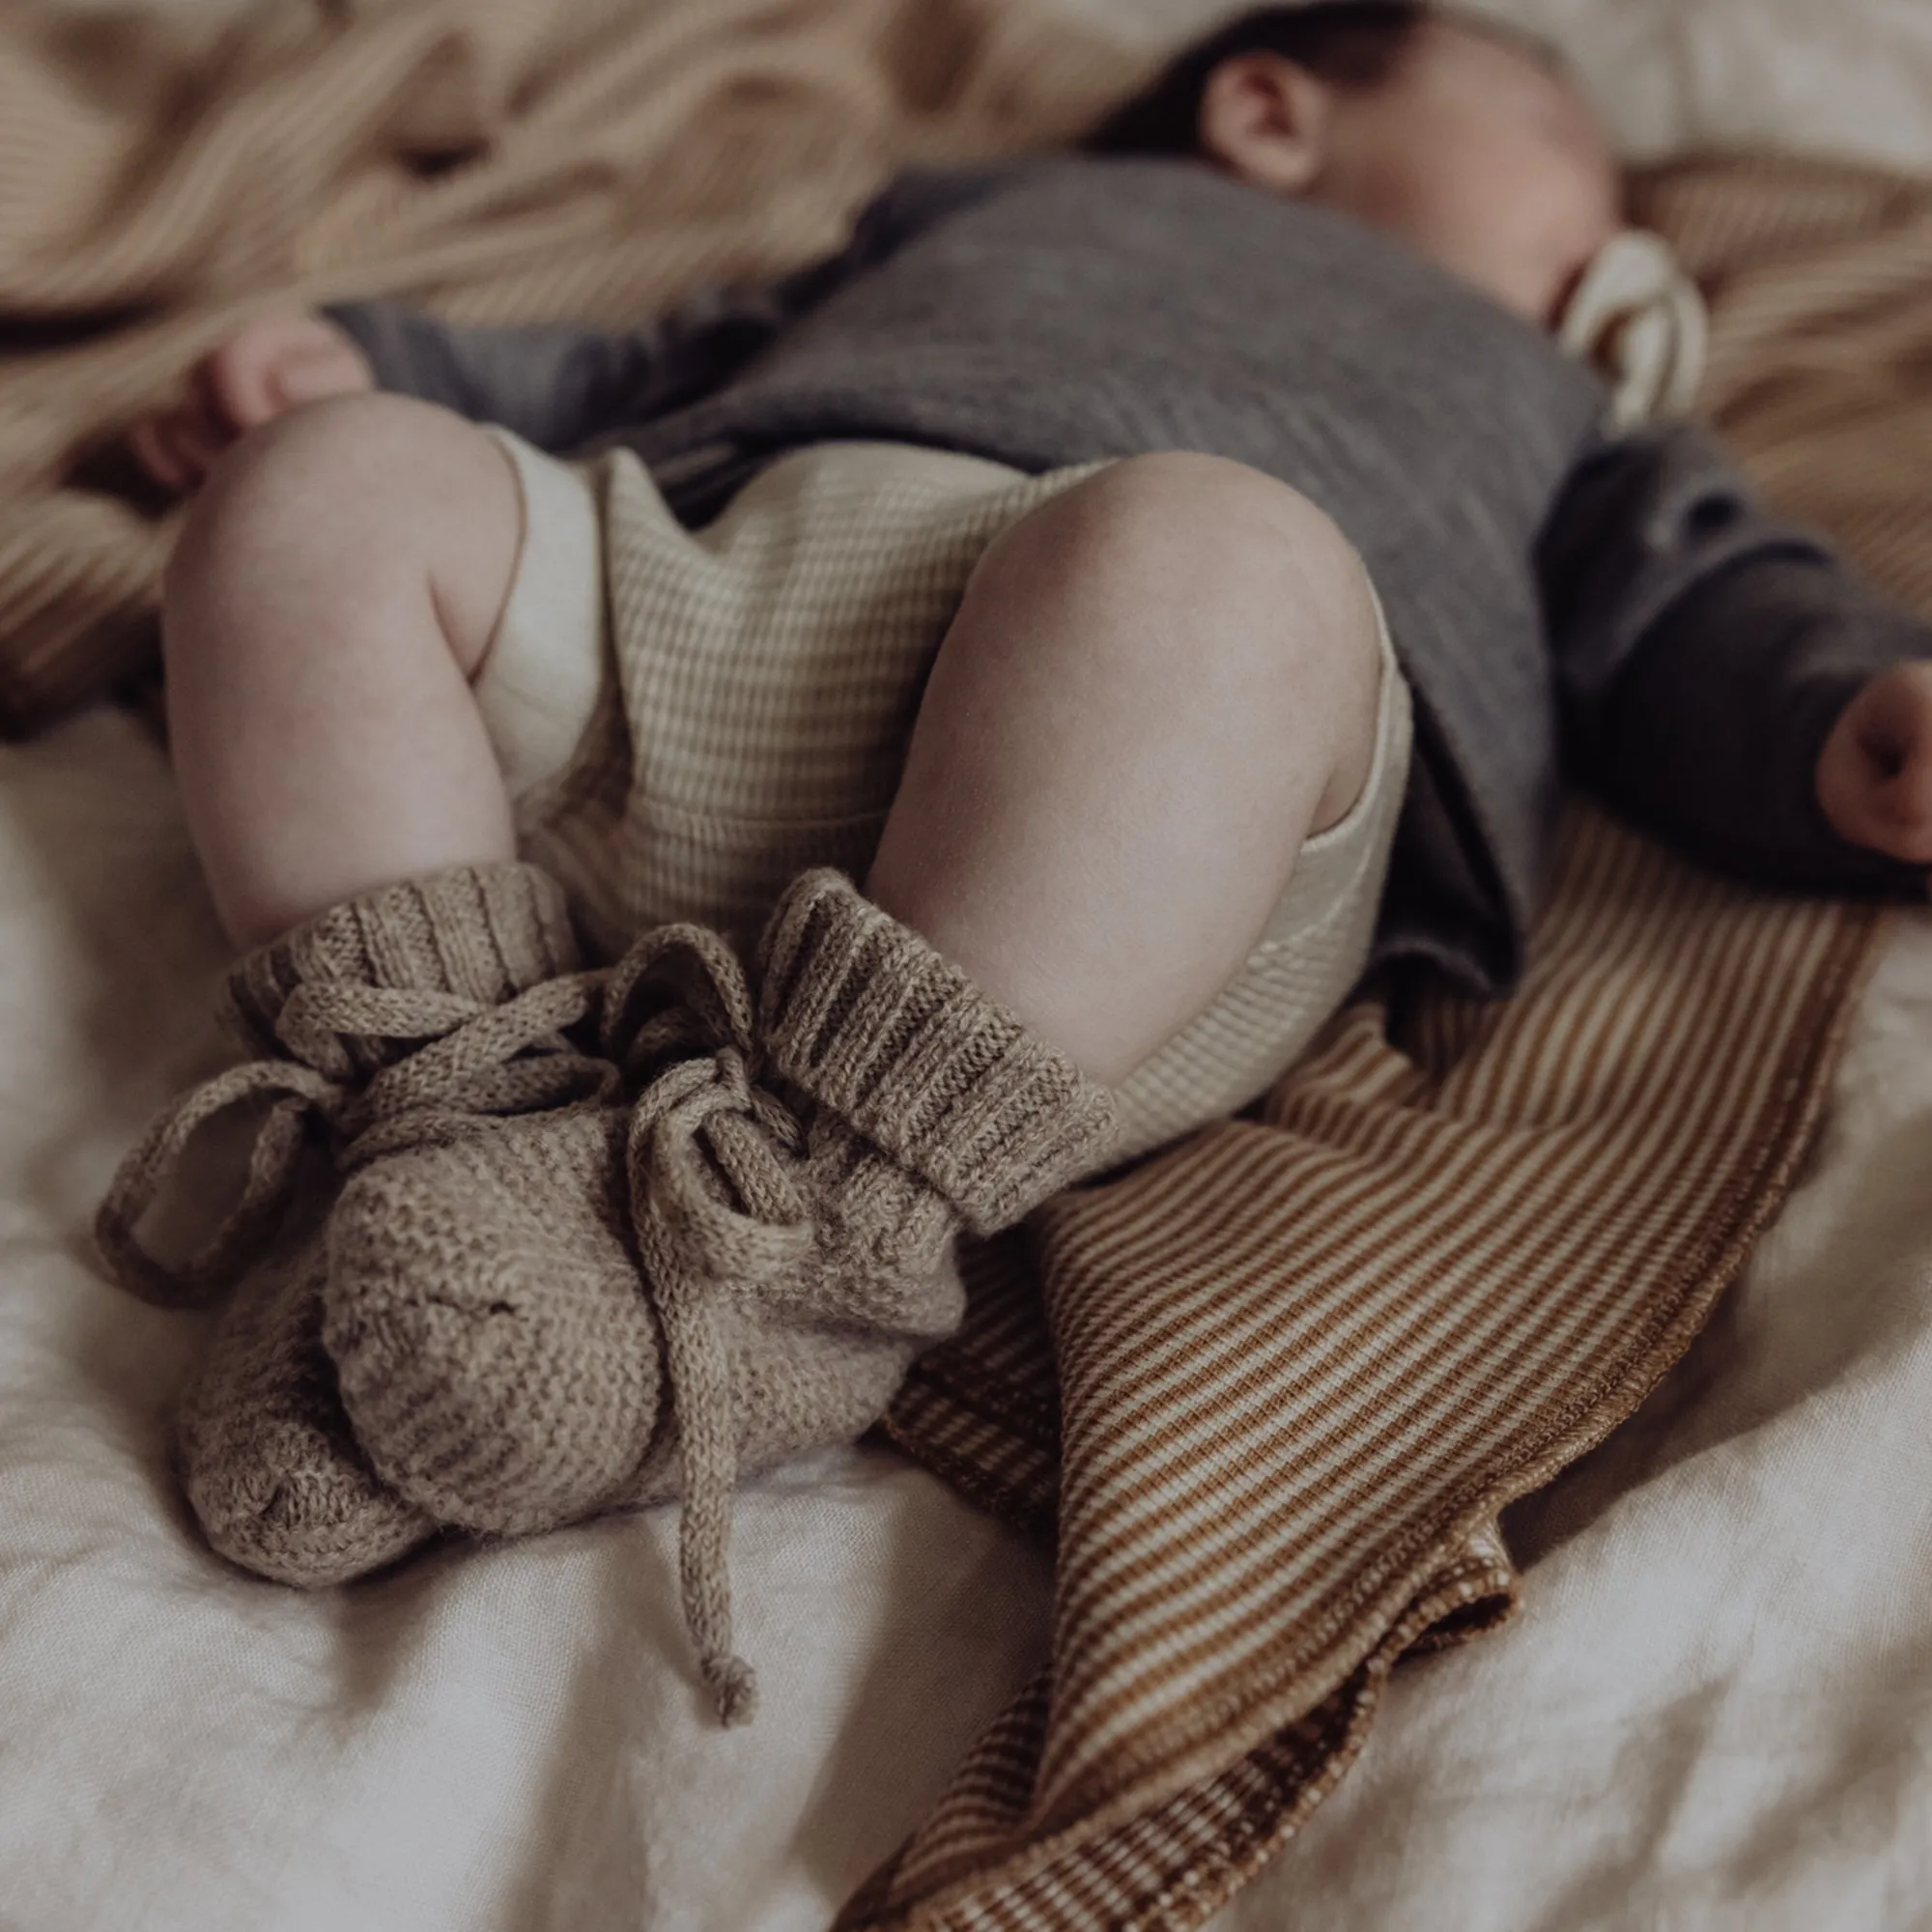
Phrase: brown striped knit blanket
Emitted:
{"points": [[1269, 1390]]}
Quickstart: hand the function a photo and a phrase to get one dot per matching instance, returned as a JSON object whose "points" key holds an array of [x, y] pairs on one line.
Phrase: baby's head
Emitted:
{"points": [[1464, 139]]}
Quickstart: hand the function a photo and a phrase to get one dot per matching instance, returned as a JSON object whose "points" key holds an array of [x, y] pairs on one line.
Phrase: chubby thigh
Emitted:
{"points": [[686, 720], [333, 586]]}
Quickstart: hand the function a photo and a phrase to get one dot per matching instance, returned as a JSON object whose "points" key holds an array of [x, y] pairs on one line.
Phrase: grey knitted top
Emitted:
{"points": [[1616, 610]]}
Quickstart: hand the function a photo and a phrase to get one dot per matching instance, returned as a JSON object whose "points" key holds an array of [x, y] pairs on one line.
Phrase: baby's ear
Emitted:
{"points": [[1266, 121]]}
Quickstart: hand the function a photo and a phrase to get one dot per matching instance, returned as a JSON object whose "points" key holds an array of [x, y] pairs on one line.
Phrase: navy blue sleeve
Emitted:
{"points": [[1703, 652]]}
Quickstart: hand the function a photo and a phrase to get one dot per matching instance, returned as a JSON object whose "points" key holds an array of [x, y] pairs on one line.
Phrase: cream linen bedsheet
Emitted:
{"points": [[1716, 1710], [507, 1738]]}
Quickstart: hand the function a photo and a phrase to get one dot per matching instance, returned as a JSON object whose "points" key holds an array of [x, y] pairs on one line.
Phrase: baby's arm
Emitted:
{"points": [[1728, 681], [558, 385], [562, 385]]}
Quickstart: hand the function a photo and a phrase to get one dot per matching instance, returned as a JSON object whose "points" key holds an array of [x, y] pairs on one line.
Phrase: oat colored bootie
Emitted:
{"points": [[263, 1449], [788, 1183], [422, 1012], [484, 1298]]}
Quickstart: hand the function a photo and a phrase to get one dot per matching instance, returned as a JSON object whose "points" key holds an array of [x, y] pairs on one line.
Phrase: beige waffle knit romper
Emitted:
{"points": [[687, 720]]}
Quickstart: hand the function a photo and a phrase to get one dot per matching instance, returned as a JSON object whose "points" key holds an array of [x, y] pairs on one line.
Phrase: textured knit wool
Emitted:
{"points": [[484, 1294], [499, 1335], [618, 1305], [264, 1451], [896, 1045], [410, 1012]]}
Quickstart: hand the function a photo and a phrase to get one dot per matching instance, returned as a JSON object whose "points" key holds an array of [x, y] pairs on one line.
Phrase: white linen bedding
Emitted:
{"points": [[1716, 1710]]}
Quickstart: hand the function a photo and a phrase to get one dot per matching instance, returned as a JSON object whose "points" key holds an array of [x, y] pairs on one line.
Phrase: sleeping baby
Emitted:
{"points": [[714, 811]]}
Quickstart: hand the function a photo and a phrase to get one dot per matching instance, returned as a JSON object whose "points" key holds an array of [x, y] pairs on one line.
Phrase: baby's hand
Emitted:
{"points": [[1875, 771], [267, 367]]}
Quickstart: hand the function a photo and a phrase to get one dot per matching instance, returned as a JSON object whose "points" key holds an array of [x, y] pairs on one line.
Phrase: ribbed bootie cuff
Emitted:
{"points": [[864, 1016], [487, 932]]}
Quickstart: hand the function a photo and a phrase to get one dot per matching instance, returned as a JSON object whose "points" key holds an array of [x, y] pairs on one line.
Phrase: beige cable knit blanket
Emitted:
{"points": [[1272, 1388], [501, 160]]}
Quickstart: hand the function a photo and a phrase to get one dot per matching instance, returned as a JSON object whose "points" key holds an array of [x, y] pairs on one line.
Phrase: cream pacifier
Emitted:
{"points": [[1638, 320]]}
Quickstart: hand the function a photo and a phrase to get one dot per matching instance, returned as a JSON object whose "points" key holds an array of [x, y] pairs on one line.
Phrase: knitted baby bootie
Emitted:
{"points": [[420, 1011], [263, 1449], [929, 1107], [793, 1178], [498, 1348], [487, 1319]]}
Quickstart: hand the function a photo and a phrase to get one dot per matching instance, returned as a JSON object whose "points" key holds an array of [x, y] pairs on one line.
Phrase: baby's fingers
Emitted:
{"points": [[154, 450], [1902, 812], [1875, 773], [177, 446], [276, 363], [1865, 816]]}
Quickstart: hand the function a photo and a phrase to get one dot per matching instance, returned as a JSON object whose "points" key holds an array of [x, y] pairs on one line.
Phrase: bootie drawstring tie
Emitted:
{"points": [[718, 1216], [478, 1059]]}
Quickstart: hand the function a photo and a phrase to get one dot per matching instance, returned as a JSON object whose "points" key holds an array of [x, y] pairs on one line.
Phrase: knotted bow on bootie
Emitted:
{"points": [[800, 1172], [718, 1215], [477, 1060]]}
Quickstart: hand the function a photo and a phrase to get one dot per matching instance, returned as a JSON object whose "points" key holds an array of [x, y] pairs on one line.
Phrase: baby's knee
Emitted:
{"points": [[1232, 542], [1224, 594], [1256, 534], [1235, 563]]}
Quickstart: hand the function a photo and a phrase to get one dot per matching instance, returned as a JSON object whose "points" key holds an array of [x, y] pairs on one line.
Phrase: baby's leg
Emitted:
{"points": [[1157, 686], [332, 592], [334, 587]]}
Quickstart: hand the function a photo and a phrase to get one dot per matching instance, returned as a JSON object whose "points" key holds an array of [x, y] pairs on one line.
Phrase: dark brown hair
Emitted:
{"points": [[1347, 42]]}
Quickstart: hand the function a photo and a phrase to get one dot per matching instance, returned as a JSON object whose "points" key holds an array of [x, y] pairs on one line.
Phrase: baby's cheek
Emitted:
{"points": [[1477, 216]]}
